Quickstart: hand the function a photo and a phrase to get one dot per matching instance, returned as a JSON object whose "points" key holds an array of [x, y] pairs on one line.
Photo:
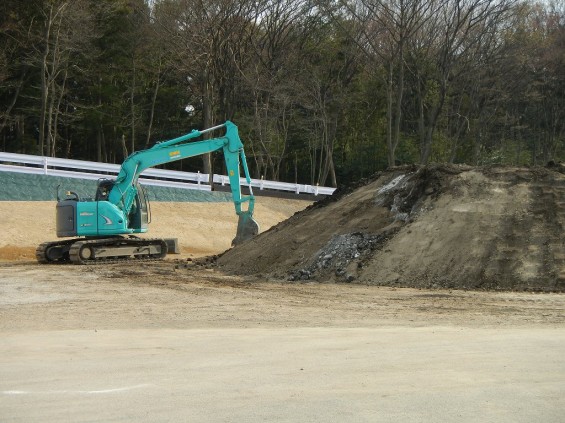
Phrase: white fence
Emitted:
{"points": [[22, 163]]}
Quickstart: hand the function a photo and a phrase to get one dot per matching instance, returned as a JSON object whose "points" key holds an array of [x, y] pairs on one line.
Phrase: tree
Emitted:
{"points": [[66, 31], [14, 71], [273, 76], [210, 41]]}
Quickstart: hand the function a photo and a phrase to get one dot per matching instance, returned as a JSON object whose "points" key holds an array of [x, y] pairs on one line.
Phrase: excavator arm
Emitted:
{"points": [[124, 190]]}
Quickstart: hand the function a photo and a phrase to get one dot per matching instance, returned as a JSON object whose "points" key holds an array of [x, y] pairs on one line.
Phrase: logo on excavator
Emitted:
{"points": [[174, 154], [107, 220]]}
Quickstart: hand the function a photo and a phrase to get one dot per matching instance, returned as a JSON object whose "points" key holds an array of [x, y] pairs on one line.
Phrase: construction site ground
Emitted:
{"points": [[192, 339]]}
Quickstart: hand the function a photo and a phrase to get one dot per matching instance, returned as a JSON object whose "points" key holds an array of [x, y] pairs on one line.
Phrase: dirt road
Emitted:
{"points": [[157, 343]]}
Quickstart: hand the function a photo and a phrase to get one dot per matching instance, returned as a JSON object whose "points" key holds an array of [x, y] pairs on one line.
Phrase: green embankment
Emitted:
{"points": [[29, 187]]}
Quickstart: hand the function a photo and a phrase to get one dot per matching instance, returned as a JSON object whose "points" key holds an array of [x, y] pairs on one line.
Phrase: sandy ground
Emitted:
{"points": [[202, 228], [160, 343]]}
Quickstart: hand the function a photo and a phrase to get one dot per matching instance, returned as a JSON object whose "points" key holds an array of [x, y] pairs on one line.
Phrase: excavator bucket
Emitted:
{"points": [[247, 228]]}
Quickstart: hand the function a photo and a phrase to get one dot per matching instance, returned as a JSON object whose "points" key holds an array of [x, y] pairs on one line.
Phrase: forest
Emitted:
{"points": [[323, 91]]}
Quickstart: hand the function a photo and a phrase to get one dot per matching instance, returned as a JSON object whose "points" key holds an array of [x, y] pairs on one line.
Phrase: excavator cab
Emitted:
{"points": [[104, 188], [140, 215]]}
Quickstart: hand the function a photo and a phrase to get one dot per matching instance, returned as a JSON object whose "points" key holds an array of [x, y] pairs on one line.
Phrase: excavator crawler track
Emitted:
{"points": [[54, 252], [101, 250]]}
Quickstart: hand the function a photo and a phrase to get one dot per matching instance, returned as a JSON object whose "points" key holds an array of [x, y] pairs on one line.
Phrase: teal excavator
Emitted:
{"points": [[103, 228]]}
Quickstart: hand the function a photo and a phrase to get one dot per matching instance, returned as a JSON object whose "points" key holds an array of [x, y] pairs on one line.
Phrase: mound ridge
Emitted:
{"points": [[441, 226]]}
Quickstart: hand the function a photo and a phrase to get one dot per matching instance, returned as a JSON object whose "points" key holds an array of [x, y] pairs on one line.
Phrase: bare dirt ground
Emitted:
{"points": [[160, 343], [51, 297], [274, 330]]}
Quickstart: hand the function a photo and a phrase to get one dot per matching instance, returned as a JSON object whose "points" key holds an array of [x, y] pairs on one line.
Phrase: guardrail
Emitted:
{"points": [[53, 166]]}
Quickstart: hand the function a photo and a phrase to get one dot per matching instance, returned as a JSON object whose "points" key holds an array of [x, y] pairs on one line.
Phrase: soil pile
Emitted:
{"points": [[438, 226]]}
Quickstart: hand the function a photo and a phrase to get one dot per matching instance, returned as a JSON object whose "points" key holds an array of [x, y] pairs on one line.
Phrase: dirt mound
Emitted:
{"points": [[437, 226]]}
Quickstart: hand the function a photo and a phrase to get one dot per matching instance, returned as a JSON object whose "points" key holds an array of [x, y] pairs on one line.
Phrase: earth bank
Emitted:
{"points": [[495, 228]]}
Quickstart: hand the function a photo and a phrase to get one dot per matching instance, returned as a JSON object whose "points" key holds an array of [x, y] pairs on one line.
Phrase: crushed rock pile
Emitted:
{"points": [[441, 226]]}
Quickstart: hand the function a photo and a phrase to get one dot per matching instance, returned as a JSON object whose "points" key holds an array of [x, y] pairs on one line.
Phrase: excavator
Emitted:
{"points": [[103, 228]]}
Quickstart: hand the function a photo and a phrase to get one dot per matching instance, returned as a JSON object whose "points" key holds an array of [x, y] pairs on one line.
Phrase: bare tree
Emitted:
{"points": [[68, 28], [467, 28], [385, 29], [210, 40], [12, 40], [271, 77]]}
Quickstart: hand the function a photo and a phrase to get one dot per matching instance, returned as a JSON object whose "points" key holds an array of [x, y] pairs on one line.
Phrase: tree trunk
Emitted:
{"points": [[44, 85], [99, 143], [152, 111], [208, 119], [57, 113], [124, 147], [426, 148], [132, 107], [50, 150], [399, 100], [390, 147], [11, 106]]}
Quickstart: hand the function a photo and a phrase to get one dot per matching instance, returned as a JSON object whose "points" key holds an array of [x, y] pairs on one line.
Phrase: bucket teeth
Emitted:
{"points": [[247, 228]]}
